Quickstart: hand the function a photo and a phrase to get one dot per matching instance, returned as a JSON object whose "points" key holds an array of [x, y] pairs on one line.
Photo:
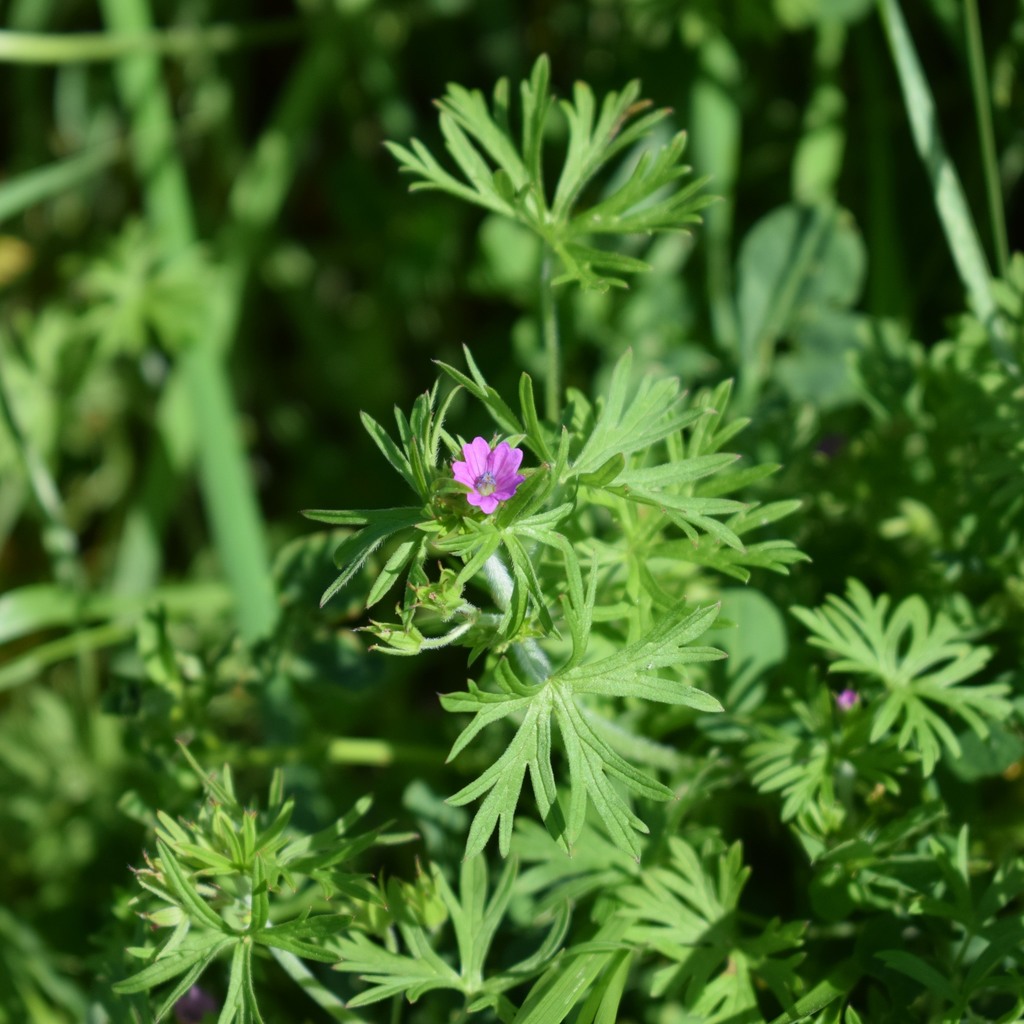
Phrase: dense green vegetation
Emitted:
{"points": [[707, 708]]}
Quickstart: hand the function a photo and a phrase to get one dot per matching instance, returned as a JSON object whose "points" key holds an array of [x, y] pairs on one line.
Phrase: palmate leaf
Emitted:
{"points": [[630, 420], [820, 751], [774, 555], [597, 774], [135, 292], [627, 211], [504, 174], [920, 662], [475, 915], [688, 911], [687, 486], [392, 974]]}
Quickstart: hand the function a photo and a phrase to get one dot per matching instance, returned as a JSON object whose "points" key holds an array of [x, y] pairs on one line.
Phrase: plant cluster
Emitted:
{"points": [[684, 675]]}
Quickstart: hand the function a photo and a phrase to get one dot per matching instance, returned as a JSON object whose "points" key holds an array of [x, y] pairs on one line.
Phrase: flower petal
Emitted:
{"points": [[463, 474], [499, 464], [501, 456], [506, 488], [478, 455], [488, 503], [508, 477]]}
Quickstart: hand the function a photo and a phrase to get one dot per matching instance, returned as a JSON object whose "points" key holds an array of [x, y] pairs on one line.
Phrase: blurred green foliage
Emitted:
{"points": [[210, 265]]}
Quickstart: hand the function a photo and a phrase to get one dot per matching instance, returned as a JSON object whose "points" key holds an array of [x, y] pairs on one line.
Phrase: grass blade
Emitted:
{"points": [[948, 194], [42, 183]]}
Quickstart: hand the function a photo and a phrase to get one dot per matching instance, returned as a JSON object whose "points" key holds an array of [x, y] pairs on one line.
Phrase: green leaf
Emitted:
{"points": [[914, 967], [234, 999], [602, 1005], [632, 672], [674, 474], [396, 458], [534, 432], [794, 262], [837, 985], [393, 974], [605, 474], [508, 179], [555, 994], [353, 552], [689, 513], [300, 936], [408, 552], [919, 662], [193, 955], [503, 781], [687, 910], [629, 423], [632, 207], [595, 769], [183, 890]]}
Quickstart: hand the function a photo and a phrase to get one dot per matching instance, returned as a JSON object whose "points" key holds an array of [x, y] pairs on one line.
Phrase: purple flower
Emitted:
{"points": [[489, 474], [847, 700], [194, 1005], [832, 444]]}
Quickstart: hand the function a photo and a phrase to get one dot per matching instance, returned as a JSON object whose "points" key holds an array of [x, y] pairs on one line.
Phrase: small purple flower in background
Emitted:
{"points": [[490, 474], [847, 699], [832, 444], [194, 1005]]}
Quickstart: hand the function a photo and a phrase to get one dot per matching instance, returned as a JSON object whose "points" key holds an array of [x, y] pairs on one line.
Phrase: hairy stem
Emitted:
{"points": [[528, 654], [552, 347]]}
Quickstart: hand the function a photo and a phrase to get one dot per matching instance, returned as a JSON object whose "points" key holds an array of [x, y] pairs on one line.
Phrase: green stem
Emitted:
{"points": [[82, 47], [983, 109], [552, 347], [47, 606], [153, 144], [528, 653], [229, 495], [380, 753]]}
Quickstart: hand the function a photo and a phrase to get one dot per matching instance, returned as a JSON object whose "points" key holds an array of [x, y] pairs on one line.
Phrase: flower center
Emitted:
{"points": [[485, 484]]}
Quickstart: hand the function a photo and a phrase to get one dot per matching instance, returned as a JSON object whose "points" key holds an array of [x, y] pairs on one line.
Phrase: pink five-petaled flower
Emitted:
{"points": [[490, 474], [847, 700]]}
